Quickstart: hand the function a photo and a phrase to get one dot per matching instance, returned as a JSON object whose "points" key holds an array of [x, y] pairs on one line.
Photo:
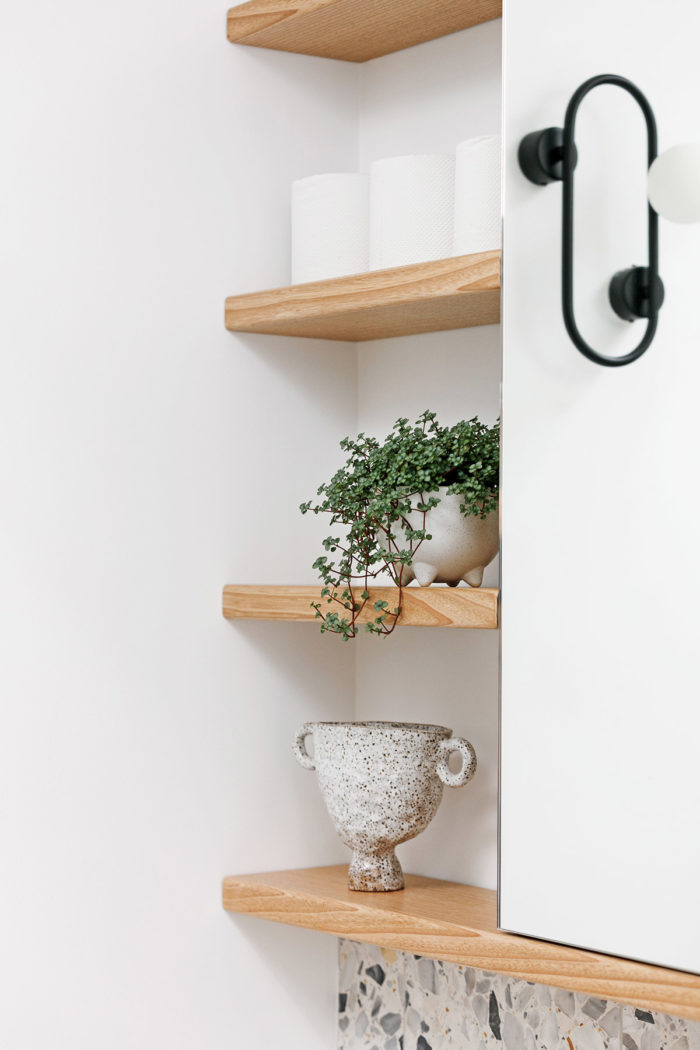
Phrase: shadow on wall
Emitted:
{"points": [[456, 373], [305, 397], [293, 676], [279, 950], [301, 363], [315, 673]]}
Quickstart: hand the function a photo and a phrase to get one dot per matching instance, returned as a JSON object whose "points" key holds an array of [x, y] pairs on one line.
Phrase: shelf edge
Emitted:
{"points": [[415, 920]]}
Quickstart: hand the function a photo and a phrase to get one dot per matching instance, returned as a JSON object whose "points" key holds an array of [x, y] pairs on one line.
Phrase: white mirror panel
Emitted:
{"points": [[600, 796]]}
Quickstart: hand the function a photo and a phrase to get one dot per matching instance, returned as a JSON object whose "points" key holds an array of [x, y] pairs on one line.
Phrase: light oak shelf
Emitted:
{"points": [[425, 297], [461, 607], [354, 30], [455, 923]]}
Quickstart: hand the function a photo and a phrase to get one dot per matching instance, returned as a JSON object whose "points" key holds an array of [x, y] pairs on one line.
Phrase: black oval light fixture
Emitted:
{"points": [[638, 292]]}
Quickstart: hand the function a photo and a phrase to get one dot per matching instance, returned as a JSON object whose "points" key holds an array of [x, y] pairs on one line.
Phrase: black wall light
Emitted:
{"points": [[674, 189]]}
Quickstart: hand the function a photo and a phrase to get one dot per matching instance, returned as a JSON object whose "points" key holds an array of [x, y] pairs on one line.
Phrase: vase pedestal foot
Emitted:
{"points": [[375, 872]]}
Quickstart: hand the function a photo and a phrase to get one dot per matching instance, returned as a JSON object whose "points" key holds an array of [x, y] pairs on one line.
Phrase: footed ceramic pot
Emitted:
{"points": [[460, 549], [382, 783]]}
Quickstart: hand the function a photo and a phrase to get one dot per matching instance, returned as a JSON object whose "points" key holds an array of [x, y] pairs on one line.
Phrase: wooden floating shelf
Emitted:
{"points": [[425, 297], [354, 30], [455, 923], [422, 606]]}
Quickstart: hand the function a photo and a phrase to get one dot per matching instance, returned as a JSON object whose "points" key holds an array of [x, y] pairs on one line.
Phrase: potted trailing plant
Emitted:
{"points": [[421, 504]]}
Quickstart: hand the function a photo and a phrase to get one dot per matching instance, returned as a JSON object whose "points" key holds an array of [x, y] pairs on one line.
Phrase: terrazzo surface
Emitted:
{"points": [[391, 1000]]}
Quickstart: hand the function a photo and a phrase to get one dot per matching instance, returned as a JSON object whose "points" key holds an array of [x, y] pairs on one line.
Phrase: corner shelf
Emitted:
{"points": [[455, 923], [354, 30], [425, 297], [461, 607]]}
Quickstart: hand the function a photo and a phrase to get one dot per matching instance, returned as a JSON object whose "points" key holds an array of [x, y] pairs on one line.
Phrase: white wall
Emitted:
{"points": [[423, 100], [145, 454], [147, 457], [600, 566]]}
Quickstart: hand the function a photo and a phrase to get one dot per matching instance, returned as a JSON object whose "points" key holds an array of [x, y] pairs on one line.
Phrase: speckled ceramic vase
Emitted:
{"points": [[460, 548], [382, 783]]}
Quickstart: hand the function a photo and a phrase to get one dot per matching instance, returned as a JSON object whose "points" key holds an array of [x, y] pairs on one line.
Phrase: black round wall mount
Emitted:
{"points": [[541, 156], [633, 294]]}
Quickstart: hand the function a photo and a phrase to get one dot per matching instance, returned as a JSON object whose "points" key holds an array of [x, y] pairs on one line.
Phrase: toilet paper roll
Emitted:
{"points": [[411, 209], [478, 195], [330, 226]]}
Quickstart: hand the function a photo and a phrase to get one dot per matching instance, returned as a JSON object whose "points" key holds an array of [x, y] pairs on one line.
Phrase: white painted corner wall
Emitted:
{"points": [[148, 456], [600, 621], [145, 455]]}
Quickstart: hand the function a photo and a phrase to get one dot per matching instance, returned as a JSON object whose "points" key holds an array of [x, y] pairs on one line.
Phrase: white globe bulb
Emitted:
{"points": [[674, 183]]}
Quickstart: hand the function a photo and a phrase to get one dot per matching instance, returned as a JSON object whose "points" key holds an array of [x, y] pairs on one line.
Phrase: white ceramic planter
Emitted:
{"points": [[460, 549], [382, 784]]}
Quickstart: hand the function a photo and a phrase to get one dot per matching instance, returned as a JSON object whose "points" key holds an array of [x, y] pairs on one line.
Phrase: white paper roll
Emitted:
{"points": [[411, 209], [478, 195], [330, 226]]}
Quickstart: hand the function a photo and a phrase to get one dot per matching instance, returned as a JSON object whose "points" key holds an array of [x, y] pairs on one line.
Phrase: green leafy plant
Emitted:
{"points": [[371, 498]]}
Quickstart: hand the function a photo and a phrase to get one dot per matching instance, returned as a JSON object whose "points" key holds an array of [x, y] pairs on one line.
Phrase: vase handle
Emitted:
{"points": [[445, 749], [300, 752]]}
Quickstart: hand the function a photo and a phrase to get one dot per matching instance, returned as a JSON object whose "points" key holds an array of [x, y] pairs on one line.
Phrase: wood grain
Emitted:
{"points": [[455, 923], [425, 297], [462, 607], [354, 30]]}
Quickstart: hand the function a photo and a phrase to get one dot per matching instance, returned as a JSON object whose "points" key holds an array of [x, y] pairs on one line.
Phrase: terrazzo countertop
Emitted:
{"points": [[391, 1000]]}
